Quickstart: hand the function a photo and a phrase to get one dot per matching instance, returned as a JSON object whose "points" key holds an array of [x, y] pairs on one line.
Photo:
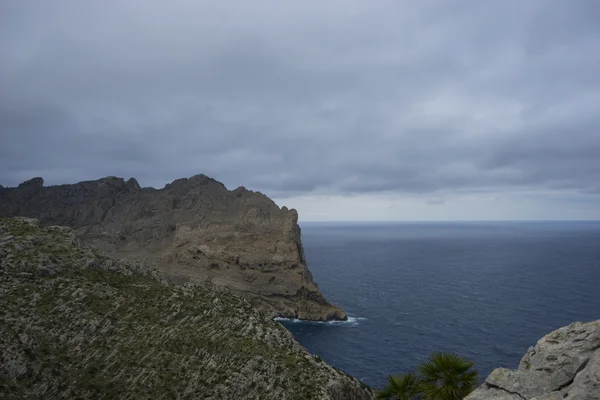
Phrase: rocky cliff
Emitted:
{"points": [[78, 324], [192, 230], [564, 364]]}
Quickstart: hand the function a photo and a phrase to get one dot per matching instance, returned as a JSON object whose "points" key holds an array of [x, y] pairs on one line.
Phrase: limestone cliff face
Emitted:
{"points": [[564, 364], [192, 230]]}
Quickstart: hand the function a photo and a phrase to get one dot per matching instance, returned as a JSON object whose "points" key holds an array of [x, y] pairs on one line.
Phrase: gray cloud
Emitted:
{"points": [[334, 98]]}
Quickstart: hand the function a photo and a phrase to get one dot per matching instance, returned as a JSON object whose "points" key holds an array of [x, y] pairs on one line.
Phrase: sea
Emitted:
{"points": [[484, 290]]}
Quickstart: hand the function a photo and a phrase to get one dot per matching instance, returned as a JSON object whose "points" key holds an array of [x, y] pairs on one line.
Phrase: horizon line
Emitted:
{"points": [[450, 220]]}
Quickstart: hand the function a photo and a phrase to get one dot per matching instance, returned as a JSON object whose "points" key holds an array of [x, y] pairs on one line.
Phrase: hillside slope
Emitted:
{"points": [[78, 324]]}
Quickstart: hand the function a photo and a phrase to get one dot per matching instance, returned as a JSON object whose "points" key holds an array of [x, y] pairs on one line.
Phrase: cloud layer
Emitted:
{"points": [[306, 99]]}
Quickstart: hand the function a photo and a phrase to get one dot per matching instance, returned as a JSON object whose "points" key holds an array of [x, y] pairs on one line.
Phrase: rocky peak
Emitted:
{"points": [[33, 183], [133, 185]]}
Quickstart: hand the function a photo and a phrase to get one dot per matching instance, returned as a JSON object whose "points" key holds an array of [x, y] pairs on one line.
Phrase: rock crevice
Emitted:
{"points": [[492, 386]]}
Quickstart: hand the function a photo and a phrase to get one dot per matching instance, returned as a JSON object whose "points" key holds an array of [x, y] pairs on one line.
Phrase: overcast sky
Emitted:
{"points": [[343, 109]]}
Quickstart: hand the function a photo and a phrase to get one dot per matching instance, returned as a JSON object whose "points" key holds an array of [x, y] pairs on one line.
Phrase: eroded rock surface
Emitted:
{"points": [[192, 230], [76, 324], [564, 364]]}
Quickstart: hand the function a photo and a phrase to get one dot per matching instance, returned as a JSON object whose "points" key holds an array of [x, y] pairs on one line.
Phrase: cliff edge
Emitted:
{"points": [[564, 364], [192, 230]]}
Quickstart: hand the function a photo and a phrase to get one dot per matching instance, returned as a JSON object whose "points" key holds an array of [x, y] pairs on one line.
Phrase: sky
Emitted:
{"points": [[343, 109]]}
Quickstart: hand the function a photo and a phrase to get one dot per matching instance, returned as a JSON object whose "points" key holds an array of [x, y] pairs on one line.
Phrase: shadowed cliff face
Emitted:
{"points": [[192, 230]]}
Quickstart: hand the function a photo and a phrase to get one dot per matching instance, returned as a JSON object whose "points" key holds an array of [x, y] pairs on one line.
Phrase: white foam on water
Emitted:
{"points": [[352, 321]]}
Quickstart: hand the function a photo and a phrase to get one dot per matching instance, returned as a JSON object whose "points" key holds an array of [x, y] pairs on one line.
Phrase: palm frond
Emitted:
{"points": [[447, 376], [400, 387]]}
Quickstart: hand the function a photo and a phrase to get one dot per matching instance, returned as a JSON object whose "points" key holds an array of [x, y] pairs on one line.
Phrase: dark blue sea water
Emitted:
{"points": [[486, 290]]}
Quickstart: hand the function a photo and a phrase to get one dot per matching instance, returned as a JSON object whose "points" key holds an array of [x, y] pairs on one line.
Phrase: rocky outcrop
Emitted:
{"points": [[564, 364], [192, 230], [77, 324]]}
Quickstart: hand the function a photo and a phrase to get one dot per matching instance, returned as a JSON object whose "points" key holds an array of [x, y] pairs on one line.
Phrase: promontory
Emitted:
{"points": [[192, 230]]}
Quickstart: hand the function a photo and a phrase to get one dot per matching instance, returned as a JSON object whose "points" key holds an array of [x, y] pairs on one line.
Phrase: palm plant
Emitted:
{"points": [[447, 376], [402, 387]]}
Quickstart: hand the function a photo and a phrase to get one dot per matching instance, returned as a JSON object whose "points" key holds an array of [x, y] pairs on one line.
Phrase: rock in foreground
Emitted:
{"points": [[78, 324], [564, 364], [192, 230]]}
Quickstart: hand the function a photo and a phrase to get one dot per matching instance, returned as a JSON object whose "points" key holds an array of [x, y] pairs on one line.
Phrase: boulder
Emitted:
{"points": [[563, 364]]}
